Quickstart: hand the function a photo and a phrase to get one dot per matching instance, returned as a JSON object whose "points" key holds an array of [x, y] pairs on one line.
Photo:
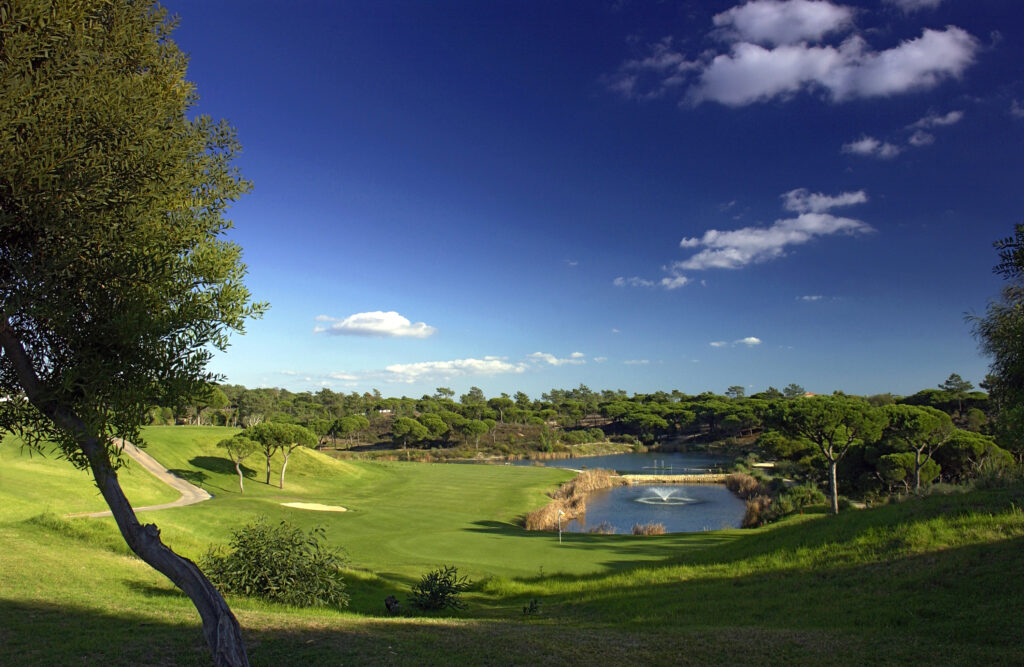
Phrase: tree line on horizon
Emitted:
{"points": [[865, 444]]}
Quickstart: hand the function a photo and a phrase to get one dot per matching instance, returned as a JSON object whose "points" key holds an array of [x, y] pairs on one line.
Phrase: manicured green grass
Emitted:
{"points": [[34, 482], [937, 579]]}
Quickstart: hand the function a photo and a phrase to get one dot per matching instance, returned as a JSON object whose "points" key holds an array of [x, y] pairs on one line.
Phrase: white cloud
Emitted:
{"points": [[377, 323], [782, 22], [455, 368], [871, 147], [813, 297], [574, 358], [1016, 109], [934, 120], [343, 376], [636, 362], [737, 248], [921, 138], [802, 200], [600, 360], [914, 5], [749, 341], [616, 331], [718, 343], [674, 281], [635, 281], [772, 55], [288, 372]]}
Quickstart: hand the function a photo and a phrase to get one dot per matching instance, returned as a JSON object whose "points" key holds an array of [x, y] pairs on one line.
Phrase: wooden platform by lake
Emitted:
{"points": [[701, 478]]}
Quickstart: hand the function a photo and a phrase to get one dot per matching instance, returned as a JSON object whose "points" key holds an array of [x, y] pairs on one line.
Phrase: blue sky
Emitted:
{"points": [[636, 195]]}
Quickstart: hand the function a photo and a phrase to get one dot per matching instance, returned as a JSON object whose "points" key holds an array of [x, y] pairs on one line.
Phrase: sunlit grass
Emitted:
{"points": [[931, 578]]}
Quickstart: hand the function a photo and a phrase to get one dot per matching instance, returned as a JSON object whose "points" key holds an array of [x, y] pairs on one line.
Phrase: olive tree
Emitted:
{"points": [[116, 284]]}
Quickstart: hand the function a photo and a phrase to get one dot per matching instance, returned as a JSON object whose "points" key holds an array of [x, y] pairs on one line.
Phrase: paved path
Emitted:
{"points": [[190, 493]]}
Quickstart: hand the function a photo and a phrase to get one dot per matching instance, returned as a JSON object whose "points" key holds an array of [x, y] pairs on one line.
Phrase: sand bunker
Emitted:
{"points": [[316, 507]]}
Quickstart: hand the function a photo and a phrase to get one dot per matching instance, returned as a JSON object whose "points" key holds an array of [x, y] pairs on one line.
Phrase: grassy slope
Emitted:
{"points": [[31, 483], [933, 579]]}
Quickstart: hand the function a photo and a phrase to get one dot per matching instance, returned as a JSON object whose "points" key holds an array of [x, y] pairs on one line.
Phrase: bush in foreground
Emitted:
{"points": [[280, 563], [439, 589]]}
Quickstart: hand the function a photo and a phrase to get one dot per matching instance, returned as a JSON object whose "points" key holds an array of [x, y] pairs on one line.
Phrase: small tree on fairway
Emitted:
{"points": [[115, 283], [239, 448], [268, 437], [295, 436]]}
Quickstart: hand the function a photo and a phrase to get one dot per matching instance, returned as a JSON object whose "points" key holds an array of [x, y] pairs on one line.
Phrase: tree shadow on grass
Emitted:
{"points": [[196, 477], [955, 603]]}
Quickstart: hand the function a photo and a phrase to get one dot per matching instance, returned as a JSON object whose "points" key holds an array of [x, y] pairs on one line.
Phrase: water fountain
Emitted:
{"points": [[664, 496]]}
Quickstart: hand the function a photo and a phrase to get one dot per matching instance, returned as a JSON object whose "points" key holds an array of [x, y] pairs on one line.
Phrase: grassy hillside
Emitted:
{"points": [[936, 579]]}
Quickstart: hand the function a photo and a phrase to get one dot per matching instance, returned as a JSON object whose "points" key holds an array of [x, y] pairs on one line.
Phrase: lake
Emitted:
{"points": [[680, 508], [667, 463]]}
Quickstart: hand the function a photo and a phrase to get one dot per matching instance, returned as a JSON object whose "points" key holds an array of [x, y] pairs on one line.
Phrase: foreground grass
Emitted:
{"points": [[936, 579]]}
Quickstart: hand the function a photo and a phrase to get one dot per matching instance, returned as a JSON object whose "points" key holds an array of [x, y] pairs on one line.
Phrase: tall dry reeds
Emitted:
{"points": [[756, 508], [648, 528], [744, 486], [569, 500]]}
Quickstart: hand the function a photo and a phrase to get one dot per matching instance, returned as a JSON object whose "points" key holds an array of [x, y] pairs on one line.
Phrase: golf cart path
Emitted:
{"points": [[190, 493]]}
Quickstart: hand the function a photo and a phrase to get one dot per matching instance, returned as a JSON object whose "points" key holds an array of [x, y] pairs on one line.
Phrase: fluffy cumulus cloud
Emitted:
{"points": [[740, 247], [550, 359], [448, 369], [719, 343], [777, 48], [871, 147], [377, 323], [737, 248], [803, 200], [780, 22]]}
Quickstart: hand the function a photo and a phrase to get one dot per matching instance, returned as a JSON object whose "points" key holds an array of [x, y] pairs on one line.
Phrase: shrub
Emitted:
{"points": [[757, 509], [440, 588], [648, 528], [280, 563], [743, 485], [603, 528]]}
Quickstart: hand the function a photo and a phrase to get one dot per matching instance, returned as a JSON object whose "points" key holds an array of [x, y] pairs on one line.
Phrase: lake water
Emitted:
{"points": [[668, 463], [680, 508]]}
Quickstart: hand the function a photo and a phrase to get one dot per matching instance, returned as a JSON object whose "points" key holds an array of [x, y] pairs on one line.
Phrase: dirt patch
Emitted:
{"points": [[316, 507]]}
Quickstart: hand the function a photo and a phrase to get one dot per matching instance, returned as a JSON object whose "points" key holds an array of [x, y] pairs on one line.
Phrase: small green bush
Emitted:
{"points": [[439, 589], [280, 563]]}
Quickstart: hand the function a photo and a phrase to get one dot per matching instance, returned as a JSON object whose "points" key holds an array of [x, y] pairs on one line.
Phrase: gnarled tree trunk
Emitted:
{"points": [[220, 627]]}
